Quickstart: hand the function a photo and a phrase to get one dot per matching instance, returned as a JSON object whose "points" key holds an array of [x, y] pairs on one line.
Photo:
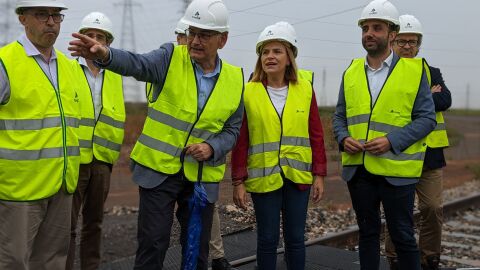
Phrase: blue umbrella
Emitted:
{"points": [[196, 204]]}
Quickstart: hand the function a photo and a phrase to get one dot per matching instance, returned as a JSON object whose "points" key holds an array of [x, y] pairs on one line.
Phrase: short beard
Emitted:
{"points": [[381, 48]]}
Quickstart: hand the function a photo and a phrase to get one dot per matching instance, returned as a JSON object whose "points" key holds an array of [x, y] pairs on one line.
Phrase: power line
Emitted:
{"points": [[330, 15], [308, 20], [257, 6]]}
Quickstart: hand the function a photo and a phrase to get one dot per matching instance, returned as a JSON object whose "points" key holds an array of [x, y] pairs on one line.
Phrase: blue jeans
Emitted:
{"points": [[367, 191], [293, 204]]}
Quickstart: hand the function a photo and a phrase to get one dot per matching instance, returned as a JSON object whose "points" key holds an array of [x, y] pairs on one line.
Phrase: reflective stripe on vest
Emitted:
{"points": [[438, 137], [102, 138], [173, 121], [38, 128], [285, 148], [391, 112], [109, 130]]}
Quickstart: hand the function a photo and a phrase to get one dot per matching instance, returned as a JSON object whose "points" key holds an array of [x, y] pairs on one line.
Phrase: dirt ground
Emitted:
{"points": [[120, 229], [464, 153]]}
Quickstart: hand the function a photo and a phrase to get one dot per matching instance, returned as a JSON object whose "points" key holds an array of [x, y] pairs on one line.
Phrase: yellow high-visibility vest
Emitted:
{"points": [[306, 75], [438, 137], [173, 121], [102, 137], [39, 149], [390, 112], [278, 144]]}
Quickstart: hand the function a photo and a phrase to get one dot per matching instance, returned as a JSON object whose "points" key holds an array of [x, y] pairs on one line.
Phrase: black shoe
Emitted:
{"points": [[433, 262], [221, 264], [393, 262]]}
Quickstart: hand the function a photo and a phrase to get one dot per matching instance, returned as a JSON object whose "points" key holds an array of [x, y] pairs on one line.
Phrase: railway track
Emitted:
{"points": [[460, 241], [461, 244]]}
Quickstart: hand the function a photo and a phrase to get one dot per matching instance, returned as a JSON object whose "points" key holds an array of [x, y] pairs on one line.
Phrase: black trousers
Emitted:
{"points": [[367, 191], [155, 219]]}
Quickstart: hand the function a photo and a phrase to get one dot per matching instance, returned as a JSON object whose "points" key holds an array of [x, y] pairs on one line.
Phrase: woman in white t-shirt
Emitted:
{"points": [[280, 155]]}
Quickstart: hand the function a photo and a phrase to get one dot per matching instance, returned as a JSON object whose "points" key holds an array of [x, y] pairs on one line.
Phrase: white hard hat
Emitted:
{"points": [[279, 31], [207, 14], [99, 21], [410, 25], [380, 10], [39, 3], [181, 27]]}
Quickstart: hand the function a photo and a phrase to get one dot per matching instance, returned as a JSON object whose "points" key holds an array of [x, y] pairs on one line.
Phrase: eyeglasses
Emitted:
{"points": [[403, 42], [45, 16], [202, 36]]}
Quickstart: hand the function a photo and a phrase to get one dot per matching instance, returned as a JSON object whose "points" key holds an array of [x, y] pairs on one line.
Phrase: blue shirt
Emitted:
{"points": [[205, 83]]}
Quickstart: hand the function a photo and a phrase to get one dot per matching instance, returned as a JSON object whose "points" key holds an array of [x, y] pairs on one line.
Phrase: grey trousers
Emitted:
{"points": [[35, 235], [216, 243]]}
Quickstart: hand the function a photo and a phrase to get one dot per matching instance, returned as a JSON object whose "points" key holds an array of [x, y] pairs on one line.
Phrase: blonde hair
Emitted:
{"points": [[259, 74]]}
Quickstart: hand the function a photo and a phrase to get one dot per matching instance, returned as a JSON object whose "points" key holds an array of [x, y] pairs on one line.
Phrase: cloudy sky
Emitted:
{"points": [[327, 32]]}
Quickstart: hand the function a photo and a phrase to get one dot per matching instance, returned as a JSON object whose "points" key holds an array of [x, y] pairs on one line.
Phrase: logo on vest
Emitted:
{"points": [[393, 111], [76, 97], [300, 111], [196, 16]]}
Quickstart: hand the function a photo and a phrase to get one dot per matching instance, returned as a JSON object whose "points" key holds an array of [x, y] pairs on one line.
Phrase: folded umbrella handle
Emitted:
{"points": [[200, 171], [200, 165]]}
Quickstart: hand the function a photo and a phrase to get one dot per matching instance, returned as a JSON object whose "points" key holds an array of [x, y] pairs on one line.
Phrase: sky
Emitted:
{"points": [[327, 33]]}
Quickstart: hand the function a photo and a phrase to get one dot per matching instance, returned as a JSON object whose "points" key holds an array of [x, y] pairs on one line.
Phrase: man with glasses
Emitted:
{"points": [[193, 120], [384, 111], [39, 152], [429, 188]]}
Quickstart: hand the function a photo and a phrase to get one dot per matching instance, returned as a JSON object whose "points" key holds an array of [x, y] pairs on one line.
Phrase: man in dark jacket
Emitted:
{"points": [[429, 188]]}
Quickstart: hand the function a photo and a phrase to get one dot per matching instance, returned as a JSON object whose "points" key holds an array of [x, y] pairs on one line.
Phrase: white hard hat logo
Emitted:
{"points": [[97, 20], [373, 12], [270, 33], [408, 25], [196, 16]]}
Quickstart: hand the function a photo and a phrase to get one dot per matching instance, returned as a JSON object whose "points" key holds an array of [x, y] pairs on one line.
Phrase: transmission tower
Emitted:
{"points": [[133, 88], [127, 38], [8, 28]]}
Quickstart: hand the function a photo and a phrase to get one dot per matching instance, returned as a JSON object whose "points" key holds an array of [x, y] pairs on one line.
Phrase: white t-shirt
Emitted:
{"points": [[278, 97]]}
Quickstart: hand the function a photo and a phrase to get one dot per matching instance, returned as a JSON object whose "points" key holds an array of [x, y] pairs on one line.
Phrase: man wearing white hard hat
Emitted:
{"points": [[384, 111], [39, 153], [180, 32], [429, 188], [194, 118], [101, 136]]}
